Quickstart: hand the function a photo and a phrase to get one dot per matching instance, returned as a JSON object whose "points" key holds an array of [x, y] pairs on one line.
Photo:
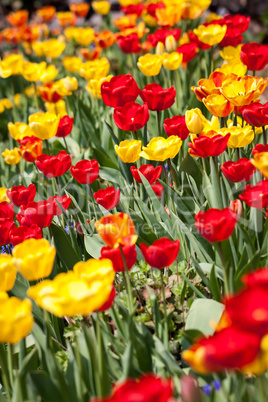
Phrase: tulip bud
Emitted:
{"points": [[160, 49], [189, 389], [194, 120], [171, 44], [236, 207]]}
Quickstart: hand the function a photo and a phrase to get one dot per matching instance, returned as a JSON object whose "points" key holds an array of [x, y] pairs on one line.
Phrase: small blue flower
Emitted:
{"points": [[217, 385], [3, 250], [67, 229], [207, 389]]}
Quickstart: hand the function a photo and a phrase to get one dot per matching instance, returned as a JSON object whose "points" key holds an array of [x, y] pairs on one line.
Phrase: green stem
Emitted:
{"points": [[48, 149], [5, 377], [127, 282], [100, 355], [265, 135], [166, 335], [179, 93], [10, 364], [261, 388], [173, 174], [225, 276], [93, 201], [159, 122], [66, 145]]}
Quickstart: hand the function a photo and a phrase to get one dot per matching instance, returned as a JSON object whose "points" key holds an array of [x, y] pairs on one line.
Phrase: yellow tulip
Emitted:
{"points": [[240, 136], [125, 22], [260, 162], [160, 148], [72, 64], [128, 151], [19, 130], [70, 32], [16, 320], [171, 44], [49, 74], [195, 120], [33, 71], [95, 69], [67, 85], [5, 104], [170, 15], [160, 49], [17, 99], [76, 292], [30, 91], [50, 48], [190, 11], [243, 91], [84, 36], [231, 54], [213, 16], [94, 86], [34, 258], [211, 34], [213, 124], [172, 61], [218, 105], [58, 108], [101, 7], [100, 270], [11, 65], [12, 156], [8, 272], [3, 195], [44, 125], [150, 64], [149, 20], [233, 67], [125, 3], [204, 4]]}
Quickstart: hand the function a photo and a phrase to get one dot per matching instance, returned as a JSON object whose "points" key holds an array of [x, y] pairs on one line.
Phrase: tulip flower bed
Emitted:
{"points": [[133, 206]]}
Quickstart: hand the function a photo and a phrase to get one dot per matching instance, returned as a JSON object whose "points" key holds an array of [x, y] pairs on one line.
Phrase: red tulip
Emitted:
{"points": [[230, 348], [158, 98], [256, 196], [107, 198], [114, 254], [151, 9], [129, 43], [189, 51], [6, 226], [254, 55], [232, 37], [54, 166], [162, 253], [206, 146], [260, 148], [256, 278], [30, 148], [158, 189], [255, 114], [148, 388], [119, 90], [21, 233], [108, 304], [132, 116], [36, 213], [235, 21], [249, 309], [85, 172], [134, 9], [65, 126], [21, 195], [236, 207], [7, 210], [151, 173], [242, 170], [161, 34], [64, 201], [176, 126], [215, 225]]}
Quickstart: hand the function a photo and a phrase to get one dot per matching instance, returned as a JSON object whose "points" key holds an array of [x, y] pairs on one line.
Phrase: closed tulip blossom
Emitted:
{"points": [[64, 202], [129, 43], [176, 126], [215, 225], [151, 173], [132, 116], [162, 253], [6, 227], [39, 213], [210, 35], [30, 148], [195, 121], [158, 98], [34, 258], [160, 149], [115, 255], [21, 195], [255, 114], [108, 198], [242, 170], [157, 189], [256, 196], [188, 51], [8, 272], [172, 61], [21, 233], [7, 210], [254, 55], [85, 171], [54, 166], [150, 64], [119, 90], [65, 126], [128, 151], [204, 147], [44, 125]]}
